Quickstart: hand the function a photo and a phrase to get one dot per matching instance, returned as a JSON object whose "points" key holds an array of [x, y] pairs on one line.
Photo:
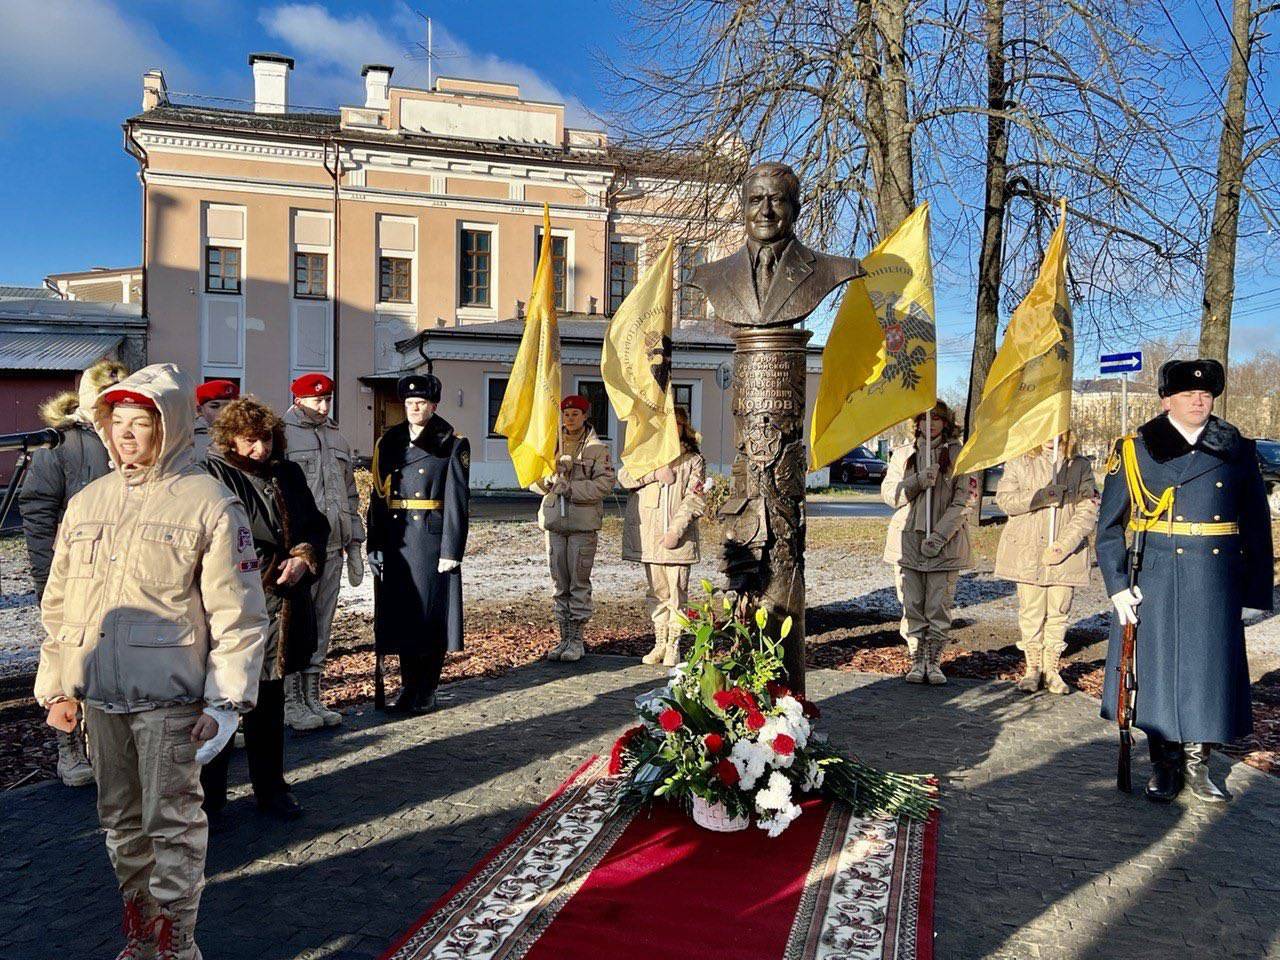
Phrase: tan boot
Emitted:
{"points": [[659, 651], [1053, 681], [566, 629], [918, 666], [296, 714], [574, 650], [139, 915], [672, 656], [311, 696], [1031, 675], [175, 937], [73, 766], [933, 662]]}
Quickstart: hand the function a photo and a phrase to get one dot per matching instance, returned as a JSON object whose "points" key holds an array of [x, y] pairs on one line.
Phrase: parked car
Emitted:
{"points": [[1269, 464], [859, 465]]}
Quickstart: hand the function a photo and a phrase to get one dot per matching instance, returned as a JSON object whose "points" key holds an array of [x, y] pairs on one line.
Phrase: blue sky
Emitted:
{"points": [[70, 72]]}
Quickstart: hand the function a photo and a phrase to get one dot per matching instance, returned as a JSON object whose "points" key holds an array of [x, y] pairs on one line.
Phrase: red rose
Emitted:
{"points": [[777, 690], [713, 742], [670, 720], [755, 720], [724, 699], [728, 773], [784, 745], [619, 746], [745, 700]]}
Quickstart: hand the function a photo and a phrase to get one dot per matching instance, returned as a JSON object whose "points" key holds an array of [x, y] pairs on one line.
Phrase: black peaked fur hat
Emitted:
{"points": [[1178, 376]]}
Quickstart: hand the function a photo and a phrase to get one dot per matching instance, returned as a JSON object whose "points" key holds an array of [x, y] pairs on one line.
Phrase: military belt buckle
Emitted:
{"points": [[1196, 528]]}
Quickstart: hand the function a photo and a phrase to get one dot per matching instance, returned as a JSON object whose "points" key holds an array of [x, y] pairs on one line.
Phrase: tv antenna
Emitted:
{"points": [[425, 50]]}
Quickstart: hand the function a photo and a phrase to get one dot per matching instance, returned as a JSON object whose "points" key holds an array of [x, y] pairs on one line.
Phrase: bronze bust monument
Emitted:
{"points": [[773, 280], [762, 291]]}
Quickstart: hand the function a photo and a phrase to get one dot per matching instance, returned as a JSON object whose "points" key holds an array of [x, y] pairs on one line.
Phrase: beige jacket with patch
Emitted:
{"points": [[589, 469], [1021, 495], [325, 458], [954, 499], [655, 508], [154, 598]]}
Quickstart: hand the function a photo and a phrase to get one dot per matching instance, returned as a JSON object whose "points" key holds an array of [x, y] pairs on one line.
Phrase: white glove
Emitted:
{"points": [[1126, 604], [227, 721], [375, 562], [448, 566], [355, 564]]}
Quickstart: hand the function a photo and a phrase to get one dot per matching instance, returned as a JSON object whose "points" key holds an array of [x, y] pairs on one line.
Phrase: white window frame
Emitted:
{"points": [[395, 306], [695, 399], [490, 312], [570, 267], [296, 369], [612, 442], [641, 262], [214, 371]]}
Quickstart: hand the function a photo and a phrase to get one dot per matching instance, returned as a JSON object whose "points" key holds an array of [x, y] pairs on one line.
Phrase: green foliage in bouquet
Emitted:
{"points": [[727, 729]]}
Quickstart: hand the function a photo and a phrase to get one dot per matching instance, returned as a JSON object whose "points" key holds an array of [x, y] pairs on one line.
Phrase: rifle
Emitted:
{"points": [[1128, 684]]}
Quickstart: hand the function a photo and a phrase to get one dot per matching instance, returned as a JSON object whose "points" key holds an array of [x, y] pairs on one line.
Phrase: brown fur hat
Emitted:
{"points": [[248, 417]]}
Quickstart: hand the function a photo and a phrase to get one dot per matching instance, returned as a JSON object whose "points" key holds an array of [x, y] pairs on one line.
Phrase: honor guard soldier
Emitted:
{"points": [[314, 443], [417, 529], [1190, 483], [211, 397], [571, 515]]}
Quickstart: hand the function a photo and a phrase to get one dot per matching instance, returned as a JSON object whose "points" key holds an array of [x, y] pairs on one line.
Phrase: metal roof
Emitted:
{"points": [[53, 351], [15, 292], [78, 311]]}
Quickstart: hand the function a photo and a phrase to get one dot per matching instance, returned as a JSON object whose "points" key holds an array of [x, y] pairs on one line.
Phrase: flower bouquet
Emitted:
{"points": [[727, 739]]}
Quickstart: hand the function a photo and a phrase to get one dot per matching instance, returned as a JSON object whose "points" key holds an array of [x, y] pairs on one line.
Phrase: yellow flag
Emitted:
{"points": [[530, 414], [1027, 398], [635, 362], [880, 364]]}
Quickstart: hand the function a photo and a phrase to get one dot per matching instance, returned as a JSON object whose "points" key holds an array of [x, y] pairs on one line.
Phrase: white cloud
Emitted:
{"points": [[330, 50], [74, 54]]}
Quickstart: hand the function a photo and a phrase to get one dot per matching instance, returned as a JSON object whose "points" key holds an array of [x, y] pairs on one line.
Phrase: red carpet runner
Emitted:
{"points": [[571, 884]]}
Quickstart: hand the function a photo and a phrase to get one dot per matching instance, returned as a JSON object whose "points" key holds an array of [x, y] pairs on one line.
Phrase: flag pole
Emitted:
{"points": [[928, 462], [1053, 508]]}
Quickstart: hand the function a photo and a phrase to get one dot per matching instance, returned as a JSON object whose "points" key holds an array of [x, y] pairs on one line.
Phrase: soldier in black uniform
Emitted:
{"points": [[417, 533]]}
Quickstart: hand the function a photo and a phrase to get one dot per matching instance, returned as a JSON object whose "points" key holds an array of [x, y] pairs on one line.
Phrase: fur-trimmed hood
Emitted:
{"points": [[1164, 442], [70, 407]]}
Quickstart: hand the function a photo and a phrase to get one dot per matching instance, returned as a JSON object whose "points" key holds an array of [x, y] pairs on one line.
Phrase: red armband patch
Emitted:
{"points": [[248, 565]]}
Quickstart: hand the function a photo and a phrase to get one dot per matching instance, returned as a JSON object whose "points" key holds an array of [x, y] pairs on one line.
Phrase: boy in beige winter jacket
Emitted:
{"points": [[1046, 566], [661, 531], [156, 620], [571, 514], [928, 554]]}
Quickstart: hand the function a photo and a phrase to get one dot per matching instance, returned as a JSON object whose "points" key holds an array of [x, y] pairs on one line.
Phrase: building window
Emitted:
{"points": [[476, 267], [222, 269], [682, 396], [311, 276], [395, 282], [598, 416], [693, 305], [559, 264], [623, 264], [497, 388]]}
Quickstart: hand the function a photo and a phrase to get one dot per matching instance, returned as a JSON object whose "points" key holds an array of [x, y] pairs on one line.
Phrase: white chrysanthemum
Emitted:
{"points": [[776, 795], [780, 818], [814, 777], [751, 759]]}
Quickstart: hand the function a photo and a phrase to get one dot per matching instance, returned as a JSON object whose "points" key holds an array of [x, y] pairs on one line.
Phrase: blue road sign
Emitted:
{"points": [[1130, 362]]}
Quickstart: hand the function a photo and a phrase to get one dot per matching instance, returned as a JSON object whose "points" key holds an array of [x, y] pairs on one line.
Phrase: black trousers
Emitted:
{"points": [[421, 672], [263, 745]]}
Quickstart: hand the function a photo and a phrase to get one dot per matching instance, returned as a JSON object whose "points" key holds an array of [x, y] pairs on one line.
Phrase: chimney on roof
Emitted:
{"points": [[154, 92], [270, 82], [377, 85]]}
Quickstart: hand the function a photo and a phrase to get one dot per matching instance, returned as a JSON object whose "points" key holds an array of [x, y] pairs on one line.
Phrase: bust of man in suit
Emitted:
{"points": [[773, 280]]}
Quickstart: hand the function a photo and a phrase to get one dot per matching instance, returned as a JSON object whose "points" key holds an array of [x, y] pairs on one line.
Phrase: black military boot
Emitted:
{"points": [[1166, 769], [410, 686], [1197, 772]]}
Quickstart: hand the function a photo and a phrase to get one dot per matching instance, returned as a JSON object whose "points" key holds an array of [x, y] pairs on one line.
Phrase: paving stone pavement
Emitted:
{"points": [[1039, 856]]}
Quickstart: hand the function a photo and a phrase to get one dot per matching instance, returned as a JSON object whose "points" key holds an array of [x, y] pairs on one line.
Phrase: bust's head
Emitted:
{"points": [[770, 202]]}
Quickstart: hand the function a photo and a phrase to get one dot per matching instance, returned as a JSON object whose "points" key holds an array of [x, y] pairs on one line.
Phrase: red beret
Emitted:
{"points": [[216, 390], [576, 401], [312, 385], [128, 398]]}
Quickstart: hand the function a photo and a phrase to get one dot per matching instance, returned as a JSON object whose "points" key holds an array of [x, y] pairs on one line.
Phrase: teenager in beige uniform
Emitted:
{"points": [[1047, 571], [661, 531], [927, 566], [571, 514], [314, 443], [156, 620]]}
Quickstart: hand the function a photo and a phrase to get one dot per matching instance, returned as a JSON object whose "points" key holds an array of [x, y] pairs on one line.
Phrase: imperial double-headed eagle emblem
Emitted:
{"points": [[909, 339]]}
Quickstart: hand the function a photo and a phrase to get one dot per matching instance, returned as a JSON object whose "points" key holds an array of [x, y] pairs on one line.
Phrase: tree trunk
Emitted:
{"points": [[1220, 259], [897, 187], [991, 257]]}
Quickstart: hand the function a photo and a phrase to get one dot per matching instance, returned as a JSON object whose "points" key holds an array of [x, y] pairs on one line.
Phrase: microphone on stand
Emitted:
{"points": [[47, 438]]}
